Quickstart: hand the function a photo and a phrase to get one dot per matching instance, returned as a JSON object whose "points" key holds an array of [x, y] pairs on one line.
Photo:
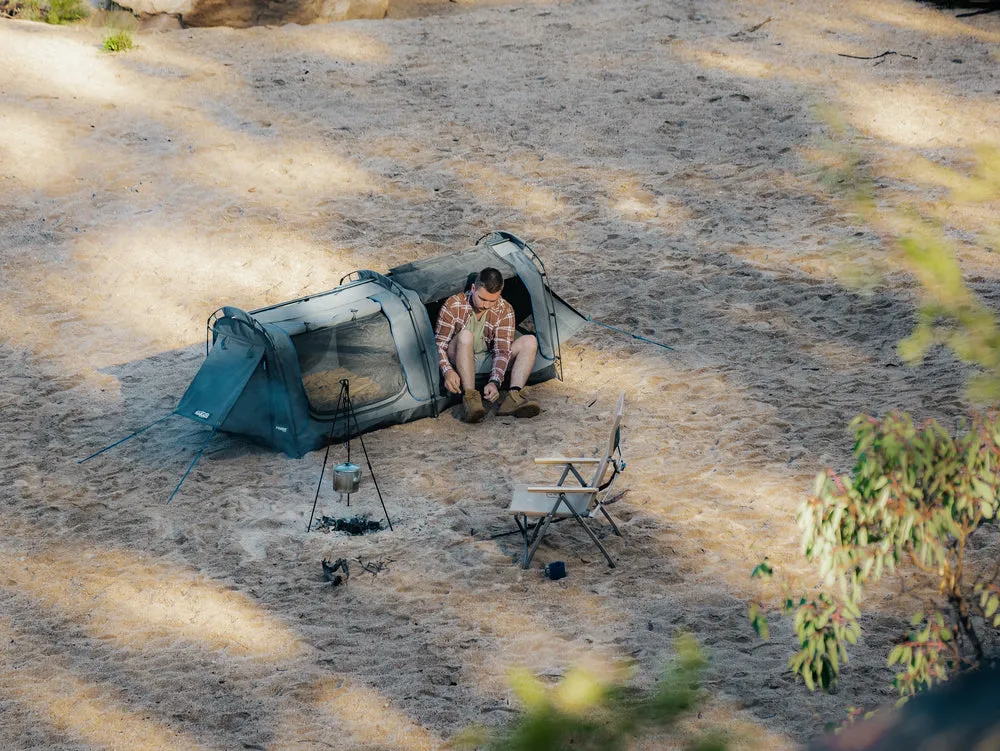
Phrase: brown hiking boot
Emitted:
{"points": [[472, 402], [519, 404]]}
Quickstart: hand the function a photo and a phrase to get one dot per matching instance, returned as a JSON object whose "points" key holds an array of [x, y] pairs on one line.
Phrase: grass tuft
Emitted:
{"points": [[117, 41], [65, 11]]}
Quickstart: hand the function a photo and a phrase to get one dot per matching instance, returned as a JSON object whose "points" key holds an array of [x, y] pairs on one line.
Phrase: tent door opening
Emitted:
{"points": [[514, 292]]}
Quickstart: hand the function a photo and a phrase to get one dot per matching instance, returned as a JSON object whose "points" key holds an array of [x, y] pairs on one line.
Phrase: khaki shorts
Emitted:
{"points": [[484, 360]]}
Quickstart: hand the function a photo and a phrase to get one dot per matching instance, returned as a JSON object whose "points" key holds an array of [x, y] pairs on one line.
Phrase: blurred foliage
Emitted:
{"points": [[26, 10], [584, 713], [50, 11], [949, 312], [916, 498], [66, 11], [119, 28]]}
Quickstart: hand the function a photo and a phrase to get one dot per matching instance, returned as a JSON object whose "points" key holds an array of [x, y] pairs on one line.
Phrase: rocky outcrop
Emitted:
{"points": [[244, 13]]}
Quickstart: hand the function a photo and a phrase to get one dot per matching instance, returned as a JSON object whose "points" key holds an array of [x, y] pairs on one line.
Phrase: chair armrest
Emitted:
{"points": [[560, 489], [562, 460]]}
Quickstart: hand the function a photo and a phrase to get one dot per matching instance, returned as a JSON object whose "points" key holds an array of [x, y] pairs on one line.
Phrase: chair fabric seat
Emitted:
{"points": [[535, 505]]}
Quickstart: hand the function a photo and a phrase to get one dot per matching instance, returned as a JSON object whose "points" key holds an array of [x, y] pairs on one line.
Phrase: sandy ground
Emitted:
{"points": [[661, 157]]}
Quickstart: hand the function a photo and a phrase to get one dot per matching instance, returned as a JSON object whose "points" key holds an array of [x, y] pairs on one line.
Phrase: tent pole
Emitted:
{"points": [[118, 443], [193, 462]]}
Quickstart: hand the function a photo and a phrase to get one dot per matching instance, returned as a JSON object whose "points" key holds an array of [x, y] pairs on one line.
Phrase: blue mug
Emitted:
{"points": [[556, 570]]}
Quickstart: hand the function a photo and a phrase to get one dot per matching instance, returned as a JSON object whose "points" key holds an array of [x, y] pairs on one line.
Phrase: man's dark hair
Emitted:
{"points": [[490, 279]]}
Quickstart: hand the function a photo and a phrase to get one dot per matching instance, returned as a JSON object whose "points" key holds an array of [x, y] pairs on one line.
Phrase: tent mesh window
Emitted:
{"points": [[362, 351]]}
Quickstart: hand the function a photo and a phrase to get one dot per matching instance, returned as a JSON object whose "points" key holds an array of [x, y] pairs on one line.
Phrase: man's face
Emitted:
{"points": [[482, 299]]}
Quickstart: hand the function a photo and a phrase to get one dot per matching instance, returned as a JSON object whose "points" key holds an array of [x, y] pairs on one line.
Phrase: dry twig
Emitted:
{"points": [[881, 58]]}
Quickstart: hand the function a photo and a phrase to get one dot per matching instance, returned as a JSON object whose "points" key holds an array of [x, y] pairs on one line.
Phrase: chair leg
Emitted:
{"points": [[532, 541], [540, 528], [593, 537], [610, 521], [523, 529]]}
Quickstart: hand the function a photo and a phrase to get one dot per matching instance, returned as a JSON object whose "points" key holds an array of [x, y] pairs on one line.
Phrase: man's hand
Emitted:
{"points": [[491, 393], [453, 382]]}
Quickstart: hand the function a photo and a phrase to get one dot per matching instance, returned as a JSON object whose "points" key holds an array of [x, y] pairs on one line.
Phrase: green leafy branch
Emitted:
{"points": [[928, 656], [585, 713], [913, 501]]}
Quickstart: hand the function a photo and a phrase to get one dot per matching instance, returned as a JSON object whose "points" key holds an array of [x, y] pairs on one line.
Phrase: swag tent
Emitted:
{"points": [[273, 374]]}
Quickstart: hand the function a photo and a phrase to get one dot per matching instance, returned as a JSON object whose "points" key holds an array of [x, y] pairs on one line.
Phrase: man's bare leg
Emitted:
{"points": [[522, 357], [462, 356], [516, 402], [460, 352]]}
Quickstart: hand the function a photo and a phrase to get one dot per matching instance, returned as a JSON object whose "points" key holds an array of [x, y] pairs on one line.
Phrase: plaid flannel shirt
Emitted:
{"points": [[498, 331]]}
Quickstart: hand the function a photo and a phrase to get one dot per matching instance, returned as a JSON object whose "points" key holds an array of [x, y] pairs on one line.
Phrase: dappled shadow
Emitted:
{"points": [[971, 7], [667, 178]]}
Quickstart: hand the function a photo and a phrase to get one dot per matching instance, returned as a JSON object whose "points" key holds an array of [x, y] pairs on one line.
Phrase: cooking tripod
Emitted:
{"points": [[345, 405]]}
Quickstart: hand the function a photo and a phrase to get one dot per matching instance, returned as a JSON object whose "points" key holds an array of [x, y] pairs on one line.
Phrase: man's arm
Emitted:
{"points": [[503, 340], [445, 330]]}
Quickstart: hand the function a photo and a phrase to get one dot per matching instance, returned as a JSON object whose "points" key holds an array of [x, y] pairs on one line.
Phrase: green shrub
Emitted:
{"points": [[65, 11], [117, 41], [914, 503], [52, 11], [917, 495]]}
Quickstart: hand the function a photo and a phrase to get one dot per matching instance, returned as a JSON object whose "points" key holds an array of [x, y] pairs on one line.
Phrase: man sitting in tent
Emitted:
{"points": [[473, 328]]}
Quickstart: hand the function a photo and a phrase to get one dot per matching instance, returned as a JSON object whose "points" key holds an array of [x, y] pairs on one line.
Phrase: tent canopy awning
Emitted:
{"points": [[219, 383]]}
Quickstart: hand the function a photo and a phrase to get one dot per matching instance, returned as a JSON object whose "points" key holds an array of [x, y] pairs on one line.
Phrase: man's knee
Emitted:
{"points": [[462, 343], [525, 348]]}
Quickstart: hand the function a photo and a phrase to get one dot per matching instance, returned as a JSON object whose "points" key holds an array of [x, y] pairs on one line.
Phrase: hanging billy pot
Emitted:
{"points": [[346, 477]]}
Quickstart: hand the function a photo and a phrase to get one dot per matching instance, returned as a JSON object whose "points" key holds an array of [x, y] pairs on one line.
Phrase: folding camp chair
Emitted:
{"points": [[545, 504]]}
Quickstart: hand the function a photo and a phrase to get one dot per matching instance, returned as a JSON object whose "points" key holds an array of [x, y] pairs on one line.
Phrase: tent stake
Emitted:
{"points": [[118, 443], [194, 461]]}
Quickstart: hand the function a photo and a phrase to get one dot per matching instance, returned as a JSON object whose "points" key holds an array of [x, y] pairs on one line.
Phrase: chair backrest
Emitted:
{"points": [[614, 443]]}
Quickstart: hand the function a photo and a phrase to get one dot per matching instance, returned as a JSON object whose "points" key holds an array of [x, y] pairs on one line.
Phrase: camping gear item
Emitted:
{"points": [[330, 571], [556, 570], [346, 477], [536, 507]]}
